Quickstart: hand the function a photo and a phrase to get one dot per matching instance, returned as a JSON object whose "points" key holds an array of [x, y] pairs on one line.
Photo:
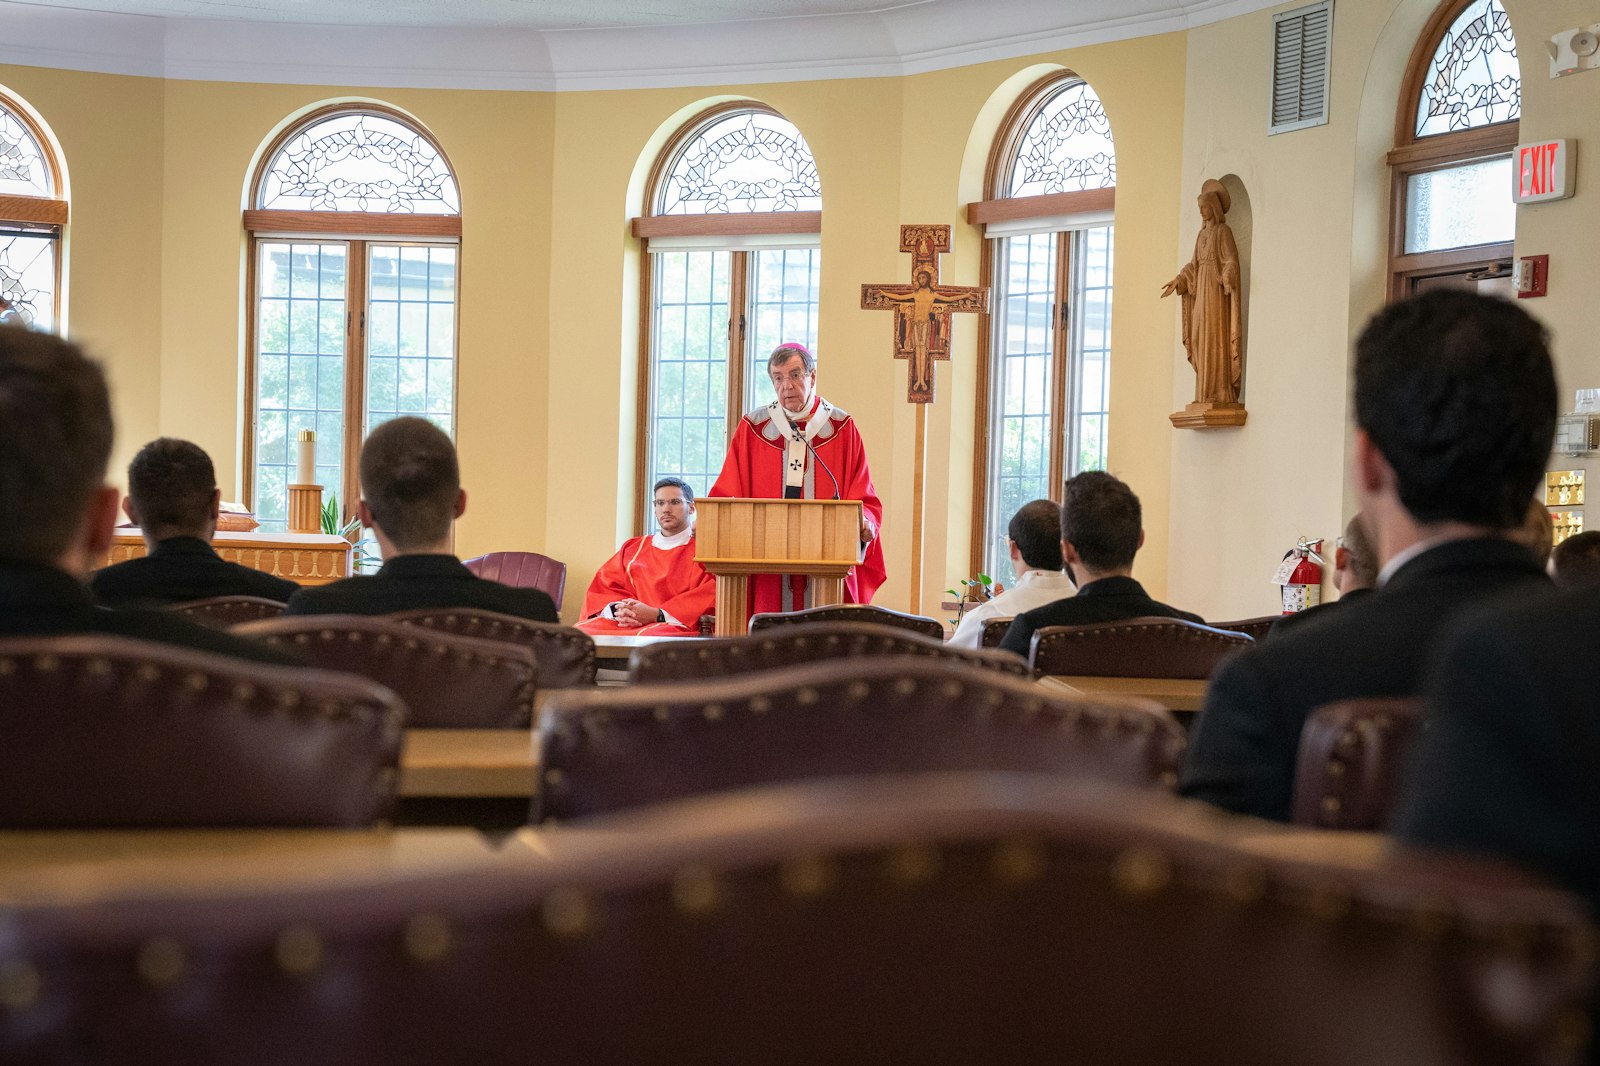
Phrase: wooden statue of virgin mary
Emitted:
{"points": [[1209, 287]]}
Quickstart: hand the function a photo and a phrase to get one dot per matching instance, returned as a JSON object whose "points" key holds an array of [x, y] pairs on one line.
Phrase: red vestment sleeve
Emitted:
{"points": [[611, 581]]}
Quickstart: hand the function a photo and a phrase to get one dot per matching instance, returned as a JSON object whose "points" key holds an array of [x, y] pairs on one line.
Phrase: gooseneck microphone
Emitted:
{"points": [[802, 439]]}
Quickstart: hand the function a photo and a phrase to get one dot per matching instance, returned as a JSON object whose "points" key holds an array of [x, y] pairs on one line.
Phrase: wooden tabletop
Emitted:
{"points": [[60, 866], [1173, 693], [468, 763]]}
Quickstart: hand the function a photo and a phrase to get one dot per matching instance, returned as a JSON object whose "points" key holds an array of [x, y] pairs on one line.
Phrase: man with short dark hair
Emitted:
{"points": [[654, 587], [1455, 407], [174, 500], [57, 513], [1575, 562], [411, 495], [1034, 541], [1101, 531]]}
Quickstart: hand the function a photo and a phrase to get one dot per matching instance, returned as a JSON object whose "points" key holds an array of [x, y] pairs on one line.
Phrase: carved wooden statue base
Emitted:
{"points": [[1208, 415]]}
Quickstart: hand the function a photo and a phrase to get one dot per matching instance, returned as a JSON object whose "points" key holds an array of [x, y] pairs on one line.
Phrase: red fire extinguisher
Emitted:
{"points": [[1301, 576]]}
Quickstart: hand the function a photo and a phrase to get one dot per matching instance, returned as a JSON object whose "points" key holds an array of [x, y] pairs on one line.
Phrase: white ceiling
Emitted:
{"points": [[555, 45]]}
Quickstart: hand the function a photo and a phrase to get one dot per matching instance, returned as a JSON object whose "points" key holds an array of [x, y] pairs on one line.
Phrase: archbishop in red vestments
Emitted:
{"points": [[759, 466]]}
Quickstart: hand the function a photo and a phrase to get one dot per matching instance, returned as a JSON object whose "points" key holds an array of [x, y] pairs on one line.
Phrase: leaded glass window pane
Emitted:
{"points": [[1473, 79], [689, 339], [28, 278], [1067, 146], [741, 162], [411, 329], [300, 363], [1019, 463], [24, 167], [359, 161], [1461, 206], [784, 308], [1091, 341]]}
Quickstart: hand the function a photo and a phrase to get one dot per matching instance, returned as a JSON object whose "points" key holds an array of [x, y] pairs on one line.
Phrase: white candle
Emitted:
{"points": [[305, 472]]}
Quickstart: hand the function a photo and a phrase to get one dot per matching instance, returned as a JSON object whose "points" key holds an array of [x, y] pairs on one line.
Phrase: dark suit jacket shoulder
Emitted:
{"points": [[1244, 744], [1321, 610], [414, 582], [41, 601], [1111, 599], [179, 570]]}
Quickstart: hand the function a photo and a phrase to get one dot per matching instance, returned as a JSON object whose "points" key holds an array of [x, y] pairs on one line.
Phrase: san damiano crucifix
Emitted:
{"points": [[922, 312]]}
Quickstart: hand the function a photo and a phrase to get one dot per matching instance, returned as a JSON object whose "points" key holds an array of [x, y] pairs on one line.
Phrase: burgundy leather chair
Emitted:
{"points": [[775, 648], [994, 631], [447, 682], [1139, 647], [612, 749], [849, 612], [1254, 628], [523, 570], [988, 920], [225, 611], [565, 655], [100, 731], [1352, 756]]}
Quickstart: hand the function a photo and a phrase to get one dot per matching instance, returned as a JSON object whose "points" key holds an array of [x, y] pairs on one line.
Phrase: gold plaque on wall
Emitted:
{"points": [[1563, 488]]}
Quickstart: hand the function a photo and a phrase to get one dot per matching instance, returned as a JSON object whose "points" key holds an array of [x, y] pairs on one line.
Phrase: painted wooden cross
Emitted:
{"points": [[922, 309]]}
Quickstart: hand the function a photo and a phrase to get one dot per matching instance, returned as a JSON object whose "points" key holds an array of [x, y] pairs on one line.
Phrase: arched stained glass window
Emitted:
{"points": [[733, 275], [1454, 134], [357, 326], [359, 161], [1473, 79], [1044, 396], [1066, 146], [32, 218], [741, 161]]}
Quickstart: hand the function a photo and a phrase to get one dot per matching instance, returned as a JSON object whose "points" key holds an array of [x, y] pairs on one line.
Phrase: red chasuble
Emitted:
{"points": [[756, 468], [668, 578]]}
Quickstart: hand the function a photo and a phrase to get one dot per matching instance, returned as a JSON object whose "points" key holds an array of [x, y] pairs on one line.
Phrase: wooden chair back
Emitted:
{"points": [[224, 611], [778, 647], [100, 731], [565, 655], [849, 612], [447, 682], [1352, 756], [1139, 647]]}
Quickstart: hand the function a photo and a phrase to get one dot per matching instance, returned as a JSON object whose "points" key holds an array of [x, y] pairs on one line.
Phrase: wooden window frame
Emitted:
{"points": [[1416, 155], [50, 211], [1000, 208], [741, 263], [357, 230]]}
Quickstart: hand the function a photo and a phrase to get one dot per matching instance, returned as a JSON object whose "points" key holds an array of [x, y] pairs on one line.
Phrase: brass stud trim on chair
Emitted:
{"points": [[1245, 884], [299, 950], [1017, 861], [807, 875], [428, 937], [46, 664], [695, 890], [161, 962], [1141, 873], [568, 913], [20, 984], [911, 863]]}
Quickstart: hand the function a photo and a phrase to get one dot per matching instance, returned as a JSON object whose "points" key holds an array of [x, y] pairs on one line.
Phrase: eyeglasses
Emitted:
{"points": [[794, 377], [675, 501]]}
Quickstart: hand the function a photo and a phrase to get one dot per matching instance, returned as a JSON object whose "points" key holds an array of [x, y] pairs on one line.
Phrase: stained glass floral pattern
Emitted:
{"points": [[24, 170], [742, 162], [360, 161], [28, 279], [1473, 79], [1067, 146]]}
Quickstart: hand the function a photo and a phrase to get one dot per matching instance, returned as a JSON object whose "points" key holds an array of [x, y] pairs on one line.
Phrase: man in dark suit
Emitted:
{"points": [[1101, 531], [174, 500], [55, 440], [411, 495], [1455, 406], [1509, 762]]}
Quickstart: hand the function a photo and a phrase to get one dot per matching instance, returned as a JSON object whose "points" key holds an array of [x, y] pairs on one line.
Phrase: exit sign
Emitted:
{"points": [[1543, 172]]}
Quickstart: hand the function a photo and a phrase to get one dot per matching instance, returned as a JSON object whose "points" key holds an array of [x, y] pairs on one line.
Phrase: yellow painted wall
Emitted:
{"points": [[1319, 201], [549, 287]]}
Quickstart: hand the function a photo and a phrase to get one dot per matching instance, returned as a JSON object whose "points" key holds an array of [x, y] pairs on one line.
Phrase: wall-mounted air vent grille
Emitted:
{"points": [[1302, 42]]}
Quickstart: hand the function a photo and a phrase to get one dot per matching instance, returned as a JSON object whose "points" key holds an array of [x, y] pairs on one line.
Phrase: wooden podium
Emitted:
{"points": [[734, 538]]}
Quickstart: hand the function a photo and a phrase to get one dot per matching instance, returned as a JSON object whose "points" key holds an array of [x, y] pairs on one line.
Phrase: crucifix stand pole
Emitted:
{"points": [[922, 312]]}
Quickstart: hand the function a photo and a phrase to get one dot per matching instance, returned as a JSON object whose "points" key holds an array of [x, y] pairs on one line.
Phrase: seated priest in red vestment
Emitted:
{"points": [[653, 587], [803, 447]]}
